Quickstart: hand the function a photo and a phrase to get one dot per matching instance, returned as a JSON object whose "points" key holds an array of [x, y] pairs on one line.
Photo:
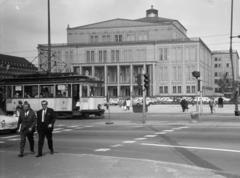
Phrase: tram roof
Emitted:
{"points": [[43, 78]]}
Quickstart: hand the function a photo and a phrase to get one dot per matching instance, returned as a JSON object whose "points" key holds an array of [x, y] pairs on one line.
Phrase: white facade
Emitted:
{"points": [[116, 51]]}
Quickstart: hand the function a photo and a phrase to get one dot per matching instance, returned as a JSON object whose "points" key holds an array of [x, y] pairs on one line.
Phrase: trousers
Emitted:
{"points": [[41, 136], [23, 135]]}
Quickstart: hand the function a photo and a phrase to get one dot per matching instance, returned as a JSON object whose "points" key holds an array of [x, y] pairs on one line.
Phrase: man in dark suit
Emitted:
{"points": [[26, 127], [45, 124]]}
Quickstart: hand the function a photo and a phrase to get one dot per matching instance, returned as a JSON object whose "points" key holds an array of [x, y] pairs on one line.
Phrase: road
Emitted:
{"points": [[213, 143]]}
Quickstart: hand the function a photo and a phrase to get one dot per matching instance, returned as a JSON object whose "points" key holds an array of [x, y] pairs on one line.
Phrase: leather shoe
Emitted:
{"points": [[32, 151], [39, 155], [51, 152], [20, 155]]}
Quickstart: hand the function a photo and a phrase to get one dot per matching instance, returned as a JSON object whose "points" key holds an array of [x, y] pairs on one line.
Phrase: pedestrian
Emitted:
{"points": [[128, 104], [45, 124], [211, 105], [184, 104], [220, 102], [26, 127]]}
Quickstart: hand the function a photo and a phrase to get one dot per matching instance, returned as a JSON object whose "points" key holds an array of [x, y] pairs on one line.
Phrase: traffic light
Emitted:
{"points": [[196, 74], [146, 81], [139, 80]]}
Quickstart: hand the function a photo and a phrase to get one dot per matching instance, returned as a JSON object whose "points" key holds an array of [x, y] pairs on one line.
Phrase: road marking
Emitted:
{"points": [[117, 145], [179, 128], [2, 142], [14, 139], [10, 137], [56, 129], [88, 126], [67, 130], [160, 133], [170, 130], [140, 138], [60, 125], [129, 141], [150, 136], [102, 149], [73, 126], [192, 147]]}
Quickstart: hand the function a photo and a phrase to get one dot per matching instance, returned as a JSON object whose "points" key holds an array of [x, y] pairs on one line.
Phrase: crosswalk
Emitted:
{"points": [[59, 128]]}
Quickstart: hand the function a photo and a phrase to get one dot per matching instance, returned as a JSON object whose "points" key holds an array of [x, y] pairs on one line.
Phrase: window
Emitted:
{"points": [[46, 91], [174, 89], [179, 89], [105, 56], [17, 91], [112, 56], [117, 55], [100, 56], [63, 90], [188, 89], [76, 69], [88, 57], [161, 89], [163, 54], [216, 65], [118, 38], [215, 74], [216, 81], [84, 91], [9, 91], [31, 91], [92, 56], [165, 89], [193, 89], [216, 59], [227, 65]]}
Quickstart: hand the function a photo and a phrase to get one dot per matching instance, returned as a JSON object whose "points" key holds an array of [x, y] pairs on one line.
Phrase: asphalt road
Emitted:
{"points": [[207, 146]]}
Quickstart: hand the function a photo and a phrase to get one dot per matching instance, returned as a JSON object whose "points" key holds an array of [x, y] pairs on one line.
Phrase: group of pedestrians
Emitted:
{"points": [[29, 121]]}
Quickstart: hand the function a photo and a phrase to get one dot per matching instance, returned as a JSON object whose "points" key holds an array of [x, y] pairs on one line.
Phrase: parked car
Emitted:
{"points": [[8, 123]]}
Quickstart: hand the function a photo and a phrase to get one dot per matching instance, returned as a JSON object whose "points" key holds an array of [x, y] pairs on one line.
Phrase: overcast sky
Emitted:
{"points": [[23, 23]]}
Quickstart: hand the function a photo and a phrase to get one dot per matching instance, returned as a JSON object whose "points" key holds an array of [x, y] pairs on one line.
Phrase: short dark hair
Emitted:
{"points": [[44, 101]]}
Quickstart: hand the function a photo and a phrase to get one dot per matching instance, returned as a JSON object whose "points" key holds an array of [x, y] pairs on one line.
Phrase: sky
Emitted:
{"points": [[23, 23]]}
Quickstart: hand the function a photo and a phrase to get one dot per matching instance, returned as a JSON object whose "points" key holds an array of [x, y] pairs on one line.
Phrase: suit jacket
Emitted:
{"points": [[28, 121], [49, 119]]}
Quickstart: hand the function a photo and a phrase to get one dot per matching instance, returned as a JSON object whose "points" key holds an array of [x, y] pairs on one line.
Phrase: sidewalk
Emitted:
{"points": [[167, 108], [62, 165]]}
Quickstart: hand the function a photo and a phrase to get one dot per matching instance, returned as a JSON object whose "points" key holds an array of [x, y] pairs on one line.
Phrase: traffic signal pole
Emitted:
{"points": [[144, 98]]}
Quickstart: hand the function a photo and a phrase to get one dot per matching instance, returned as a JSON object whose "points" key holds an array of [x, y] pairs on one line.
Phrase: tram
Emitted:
{"points": [[70, 95]]}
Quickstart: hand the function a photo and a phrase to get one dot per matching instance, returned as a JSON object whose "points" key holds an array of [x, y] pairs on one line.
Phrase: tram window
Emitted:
{"points": [[17, 91], [84, 91], [63, 90], [46, 91], [31, 91], [9, 91]]}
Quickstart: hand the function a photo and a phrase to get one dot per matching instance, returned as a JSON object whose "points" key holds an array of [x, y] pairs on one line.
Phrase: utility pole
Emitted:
{"points": [[49, 39], [235, 96]]}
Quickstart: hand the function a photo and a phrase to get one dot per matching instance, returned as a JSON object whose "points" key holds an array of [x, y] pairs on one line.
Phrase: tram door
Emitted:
{"points": [[75, 95]]}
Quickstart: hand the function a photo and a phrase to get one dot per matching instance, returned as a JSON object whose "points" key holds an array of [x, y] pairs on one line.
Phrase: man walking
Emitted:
{"points": [[26, 126], [45, 123]]}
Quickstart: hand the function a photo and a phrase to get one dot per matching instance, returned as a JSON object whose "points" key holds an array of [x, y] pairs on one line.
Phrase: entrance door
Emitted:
{"points": [[75, 95]]}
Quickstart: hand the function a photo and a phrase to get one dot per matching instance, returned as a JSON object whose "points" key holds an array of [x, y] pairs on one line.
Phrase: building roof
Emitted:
{"points": [[15, 61], [216, 52]]}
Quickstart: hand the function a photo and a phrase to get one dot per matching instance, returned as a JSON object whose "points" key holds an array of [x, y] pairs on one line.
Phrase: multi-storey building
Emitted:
{"points": [[117, 50], [222, 69], [13, 65]]}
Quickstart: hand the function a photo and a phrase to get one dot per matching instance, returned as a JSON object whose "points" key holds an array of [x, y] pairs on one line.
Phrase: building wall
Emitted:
{"points": [[222, 66]]}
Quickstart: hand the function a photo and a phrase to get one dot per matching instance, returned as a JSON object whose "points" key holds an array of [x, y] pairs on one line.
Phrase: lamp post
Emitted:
{"points": [[49, 39], [235, 95]]}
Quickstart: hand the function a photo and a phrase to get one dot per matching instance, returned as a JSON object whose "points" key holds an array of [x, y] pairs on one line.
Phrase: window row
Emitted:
{"points": [[177, 89]]}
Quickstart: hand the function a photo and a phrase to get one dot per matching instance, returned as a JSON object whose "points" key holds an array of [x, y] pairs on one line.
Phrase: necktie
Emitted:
{"points": [[43, 115]]}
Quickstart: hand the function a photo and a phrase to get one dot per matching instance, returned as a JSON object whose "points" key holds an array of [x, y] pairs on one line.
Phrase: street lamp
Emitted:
{"points": [[49, 39], [235, 95]]}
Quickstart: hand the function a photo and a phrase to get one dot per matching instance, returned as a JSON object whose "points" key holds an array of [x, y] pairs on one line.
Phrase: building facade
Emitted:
{"points": [[13, 65], [117, 50], [223, 70]]}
